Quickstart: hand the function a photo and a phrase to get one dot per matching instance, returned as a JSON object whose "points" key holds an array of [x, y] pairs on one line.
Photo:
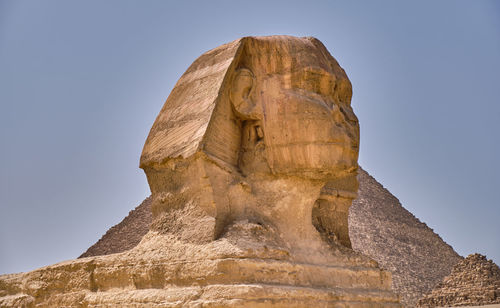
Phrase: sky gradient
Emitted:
{"points": [[81, 83]]}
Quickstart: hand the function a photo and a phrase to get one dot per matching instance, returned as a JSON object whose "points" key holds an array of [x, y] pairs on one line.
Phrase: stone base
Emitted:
{"points": [[244, 295], [234, 271]]}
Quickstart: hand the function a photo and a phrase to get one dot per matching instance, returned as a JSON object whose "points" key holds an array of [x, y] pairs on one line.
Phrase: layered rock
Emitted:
{"points": [[255, 141], [379, 226], [241, 269], [474, 281]]}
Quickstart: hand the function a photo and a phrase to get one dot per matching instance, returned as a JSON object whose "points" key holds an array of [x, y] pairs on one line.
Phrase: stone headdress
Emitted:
{"points": [[197, 115]]}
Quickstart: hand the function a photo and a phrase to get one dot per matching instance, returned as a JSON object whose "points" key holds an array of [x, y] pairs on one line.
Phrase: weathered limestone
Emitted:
{"points": [[474, 281], [379, 227], [253, 153]]}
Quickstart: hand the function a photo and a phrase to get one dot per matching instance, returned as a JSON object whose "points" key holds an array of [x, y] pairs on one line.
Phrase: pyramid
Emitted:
{"points": [[124, 235], [473, 281], [379, 226]]}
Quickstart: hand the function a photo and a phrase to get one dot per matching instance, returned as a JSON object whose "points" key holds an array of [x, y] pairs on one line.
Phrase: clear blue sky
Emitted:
{"points": [[81, 83]]}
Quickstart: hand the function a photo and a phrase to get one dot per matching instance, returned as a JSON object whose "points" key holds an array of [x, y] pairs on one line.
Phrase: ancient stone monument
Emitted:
{"points": [[379, 227], [475, 281], [252, 165]]}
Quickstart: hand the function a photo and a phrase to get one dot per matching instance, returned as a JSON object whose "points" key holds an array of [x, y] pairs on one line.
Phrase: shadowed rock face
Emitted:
{"points": [[379, 226], [252, 166]]}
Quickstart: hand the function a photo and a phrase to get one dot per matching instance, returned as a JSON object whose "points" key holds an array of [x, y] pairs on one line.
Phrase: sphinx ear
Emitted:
{"points": [[240, 95]]}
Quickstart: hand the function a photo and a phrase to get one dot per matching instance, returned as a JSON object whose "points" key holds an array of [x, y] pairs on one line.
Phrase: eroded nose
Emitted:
{"points": [[346, 126]]}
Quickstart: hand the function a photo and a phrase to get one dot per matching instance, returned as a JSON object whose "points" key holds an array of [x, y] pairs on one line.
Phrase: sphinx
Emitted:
{"points": [[252, 165], [266, 115]]}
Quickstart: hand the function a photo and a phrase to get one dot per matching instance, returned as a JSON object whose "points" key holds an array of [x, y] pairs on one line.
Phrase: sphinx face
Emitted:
{"points": [[308, 125]]}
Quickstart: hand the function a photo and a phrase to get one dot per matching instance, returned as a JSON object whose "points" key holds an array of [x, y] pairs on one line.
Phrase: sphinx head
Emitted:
{"points": [[275, 104], [258, 108]]}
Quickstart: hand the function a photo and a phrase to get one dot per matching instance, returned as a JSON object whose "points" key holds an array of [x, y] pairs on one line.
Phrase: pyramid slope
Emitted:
{"points": [[126, 234], [474, 281], [379, 227]]}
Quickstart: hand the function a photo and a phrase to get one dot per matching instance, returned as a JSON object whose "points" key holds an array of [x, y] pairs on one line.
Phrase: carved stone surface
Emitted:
{"points": [[256, 142], [379, 227]]}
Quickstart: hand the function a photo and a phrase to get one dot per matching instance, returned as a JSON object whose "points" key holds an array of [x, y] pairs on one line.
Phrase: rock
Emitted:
{"points": [[252, 165], [379, 227], [474, 281]]}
